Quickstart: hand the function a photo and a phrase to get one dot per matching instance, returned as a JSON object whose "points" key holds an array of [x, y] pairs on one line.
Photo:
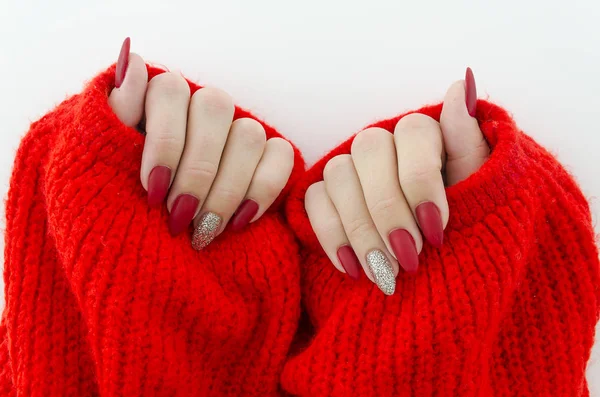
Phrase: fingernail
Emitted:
{"points": [[430, 221], [182, 213], [349, 261], [244, 214], [206, 231], [470, 92], [382, 271], [405, 249], [158, 185], [122, 62]]}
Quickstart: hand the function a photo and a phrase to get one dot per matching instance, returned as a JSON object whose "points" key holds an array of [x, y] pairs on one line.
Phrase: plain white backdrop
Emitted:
{"points": [[320, 70]]}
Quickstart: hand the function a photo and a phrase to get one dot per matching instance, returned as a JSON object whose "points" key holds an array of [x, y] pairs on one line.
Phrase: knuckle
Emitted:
{"points": [[250, 130], [227, 196], [213, 100], [282, 146], [370, 140], [201, 170], [358, 228], [337, 166], [166, 142], [415, 121], [383, 207], [314, 192], [420, 175], [271, 187], [170, 84]]}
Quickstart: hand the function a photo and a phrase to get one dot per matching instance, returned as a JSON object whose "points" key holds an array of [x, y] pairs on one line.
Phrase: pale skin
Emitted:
{"points": [[364, 195]]}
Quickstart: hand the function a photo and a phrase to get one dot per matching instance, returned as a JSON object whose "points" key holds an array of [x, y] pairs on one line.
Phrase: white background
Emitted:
{"points": [[320, 70]]}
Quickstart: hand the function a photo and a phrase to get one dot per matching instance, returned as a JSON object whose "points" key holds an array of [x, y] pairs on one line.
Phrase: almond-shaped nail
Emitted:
{"points": [[349, 261], [183, 211], [122, 62], [244, 214], [430, 222], [382, 271], [470, 92], [206, 231], [405, 249], [158, 185]]}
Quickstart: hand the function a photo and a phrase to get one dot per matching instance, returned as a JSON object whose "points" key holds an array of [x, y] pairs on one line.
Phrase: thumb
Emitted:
{"points": [[131, 79], [465, 145]]}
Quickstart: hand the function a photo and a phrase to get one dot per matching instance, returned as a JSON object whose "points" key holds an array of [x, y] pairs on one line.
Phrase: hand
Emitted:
{"points": [[204, 163], [390, 189]]}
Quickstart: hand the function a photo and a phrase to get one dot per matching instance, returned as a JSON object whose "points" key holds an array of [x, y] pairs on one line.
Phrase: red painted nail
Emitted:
{"points": [[349, 261], [122, 62], [430, 222], [244, 215], [405, 249], [182, 213], [470, 92], [158, 185]]}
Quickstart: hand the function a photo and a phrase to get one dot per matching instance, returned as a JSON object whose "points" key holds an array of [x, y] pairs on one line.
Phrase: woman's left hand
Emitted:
{"points": [[373, 204]]}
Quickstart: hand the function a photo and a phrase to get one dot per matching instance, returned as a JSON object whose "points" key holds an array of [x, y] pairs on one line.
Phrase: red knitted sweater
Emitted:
{"points": [[102, 301]]}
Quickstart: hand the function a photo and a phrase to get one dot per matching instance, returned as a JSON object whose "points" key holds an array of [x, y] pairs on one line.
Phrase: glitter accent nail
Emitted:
{"points": [[206, 231], [382, 271]]}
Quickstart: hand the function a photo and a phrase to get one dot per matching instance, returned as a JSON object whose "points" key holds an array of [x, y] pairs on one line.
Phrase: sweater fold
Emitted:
{"points": [[507, 307]]}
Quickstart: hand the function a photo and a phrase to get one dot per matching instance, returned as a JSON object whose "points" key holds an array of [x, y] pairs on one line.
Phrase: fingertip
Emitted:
{"points": [[470, 92]]}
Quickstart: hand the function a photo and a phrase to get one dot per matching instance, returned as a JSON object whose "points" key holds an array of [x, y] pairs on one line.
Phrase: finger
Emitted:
{"points": [[131, 80], [329, 230], [166, 109], [209, 119], [345, 191], [419, 149], [270, 177], [374, 157], [466, 148], [243, 150]]}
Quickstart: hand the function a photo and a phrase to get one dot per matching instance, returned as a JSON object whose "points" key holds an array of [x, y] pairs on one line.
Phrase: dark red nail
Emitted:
{"points": [[430, 221], [349, 261], [182, 213], [122, 62], [470, 92], [405, 249], [158, 185], [244, 215]]}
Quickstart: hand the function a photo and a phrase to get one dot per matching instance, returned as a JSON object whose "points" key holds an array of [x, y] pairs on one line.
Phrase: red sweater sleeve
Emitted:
{"points": [[506, 307], [102, 301]]}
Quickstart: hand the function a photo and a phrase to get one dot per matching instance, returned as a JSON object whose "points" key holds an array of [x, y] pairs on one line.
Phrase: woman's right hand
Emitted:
{"points": [[209, 168]]}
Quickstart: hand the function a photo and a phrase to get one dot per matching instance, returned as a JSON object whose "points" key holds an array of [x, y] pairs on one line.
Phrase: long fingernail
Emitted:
{"points": [[244, 214], [182, 213], [382, 271], [206, 231], [349, 261], [470, 92], [430, 221], [122, 62], [405, 249], [158, 185]]}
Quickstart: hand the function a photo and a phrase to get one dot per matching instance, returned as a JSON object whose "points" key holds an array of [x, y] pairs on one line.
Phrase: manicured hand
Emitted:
{"points": [[210, 169], [375, 205]]}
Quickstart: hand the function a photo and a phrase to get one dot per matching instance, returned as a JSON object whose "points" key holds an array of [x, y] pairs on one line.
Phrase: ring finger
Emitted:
{"points": [[374, 157], [344, 189], [242, 153]]}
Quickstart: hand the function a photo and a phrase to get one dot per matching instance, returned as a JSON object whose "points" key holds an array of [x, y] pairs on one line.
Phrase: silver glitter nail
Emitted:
{"points": [[382, 271], [206, 231]]}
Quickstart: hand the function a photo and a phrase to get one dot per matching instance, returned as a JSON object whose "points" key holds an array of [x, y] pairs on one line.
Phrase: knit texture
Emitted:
{"points": [[506, 307], [102, 301]]}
